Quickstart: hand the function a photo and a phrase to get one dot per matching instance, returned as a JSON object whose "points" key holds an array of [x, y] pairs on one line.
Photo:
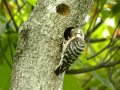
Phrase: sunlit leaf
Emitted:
{"points": [[32, 2]]}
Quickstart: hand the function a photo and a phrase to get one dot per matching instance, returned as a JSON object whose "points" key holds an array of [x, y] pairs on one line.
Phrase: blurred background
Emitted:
{"points": [[98, 68]]}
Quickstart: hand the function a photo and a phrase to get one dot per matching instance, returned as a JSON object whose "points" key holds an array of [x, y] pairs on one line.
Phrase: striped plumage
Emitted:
{"points": [[72, 48]]}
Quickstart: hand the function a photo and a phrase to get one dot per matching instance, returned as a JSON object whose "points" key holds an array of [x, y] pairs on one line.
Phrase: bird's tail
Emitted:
{"points": [[61, 68], [57, 71]]}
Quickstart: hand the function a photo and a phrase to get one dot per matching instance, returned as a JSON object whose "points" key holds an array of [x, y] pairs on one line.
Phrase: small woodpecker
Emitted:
{"points": [[73, 45]]}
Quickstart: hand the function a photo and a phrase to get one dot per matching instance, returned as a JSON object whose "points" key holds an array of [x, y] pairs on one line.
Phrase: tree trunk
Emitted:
{"points": [[38, 51]]}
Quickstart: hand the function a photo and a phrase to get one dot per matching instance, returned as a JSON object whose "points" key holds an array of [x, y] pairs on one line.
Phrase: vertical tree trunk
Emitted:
{"points": [[38, 50]]}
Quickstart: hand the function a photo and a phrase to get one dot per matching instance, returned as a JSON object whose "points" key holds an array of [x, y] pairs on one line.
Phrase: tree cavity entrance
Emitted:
{"points": [[63, 9]]}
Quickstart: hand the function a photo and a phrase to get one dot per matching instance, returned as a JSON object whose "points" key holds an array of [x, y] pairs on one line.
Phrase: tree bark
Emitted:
{"points": [[38, 51]]}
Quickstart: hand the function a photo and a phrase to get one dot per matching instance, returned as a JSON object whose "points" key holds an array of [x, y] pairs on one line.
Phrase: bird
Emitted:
{"points": [[73, 45]]}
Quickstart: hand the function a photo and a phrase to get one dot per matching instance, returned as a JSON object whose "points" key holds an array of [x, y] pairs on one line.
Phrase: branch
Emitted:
{"points": [[10, 46], [110, 44], [10, 13], [87, 35], [95, 14], [116, 29], [100, 39], [17, 11], [86, 82], [99, 52], [97, 40], [93, 68], [16, 1]]}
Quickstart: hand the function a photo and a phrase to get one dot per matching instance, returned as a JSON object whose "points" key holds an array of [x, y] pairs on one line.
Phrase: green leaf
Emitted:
{"points": [[32, 2], [71, 83]]}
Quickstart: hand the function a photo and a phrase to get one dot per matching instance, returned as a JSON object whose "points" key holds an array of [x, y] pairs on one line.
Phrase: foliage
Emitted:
{"points": [[96, 69], [12, 15]]}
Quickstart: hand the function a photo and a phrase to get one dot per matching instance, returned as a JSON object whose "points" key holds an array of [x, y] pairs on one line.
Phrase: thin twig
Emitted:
{"points": [[86, 82], [116, 29], [93, 17], [113, 55], [11, 52], [90, 32], [87, 35], [110, 74], [107, 46], [99, 52], [111, 43], [17, 11], [16, 1], [10, 13], [92, 50], [97, 40], [93, 68], [4, 54]]}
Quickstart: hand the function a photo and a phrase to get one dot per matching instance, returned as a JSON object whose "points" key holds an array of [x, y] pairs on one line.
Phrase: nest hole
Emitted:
{"points": [[63, 9]]}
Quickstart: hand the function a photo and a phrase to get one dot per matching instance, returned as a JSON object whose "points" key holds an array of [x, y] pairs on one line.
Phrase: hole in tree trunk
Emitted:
{"points": [[63, 9]]}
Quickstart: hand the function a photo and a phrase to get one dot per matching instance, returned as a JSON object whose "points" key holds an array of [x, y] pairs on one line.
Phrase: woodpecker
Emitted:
{"points": [[73, 45]]}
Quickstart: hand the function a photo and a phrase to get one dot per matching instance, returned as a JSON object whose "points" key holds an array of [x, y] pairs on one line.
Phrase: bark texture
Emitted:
{"points": [[38, 50]]}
